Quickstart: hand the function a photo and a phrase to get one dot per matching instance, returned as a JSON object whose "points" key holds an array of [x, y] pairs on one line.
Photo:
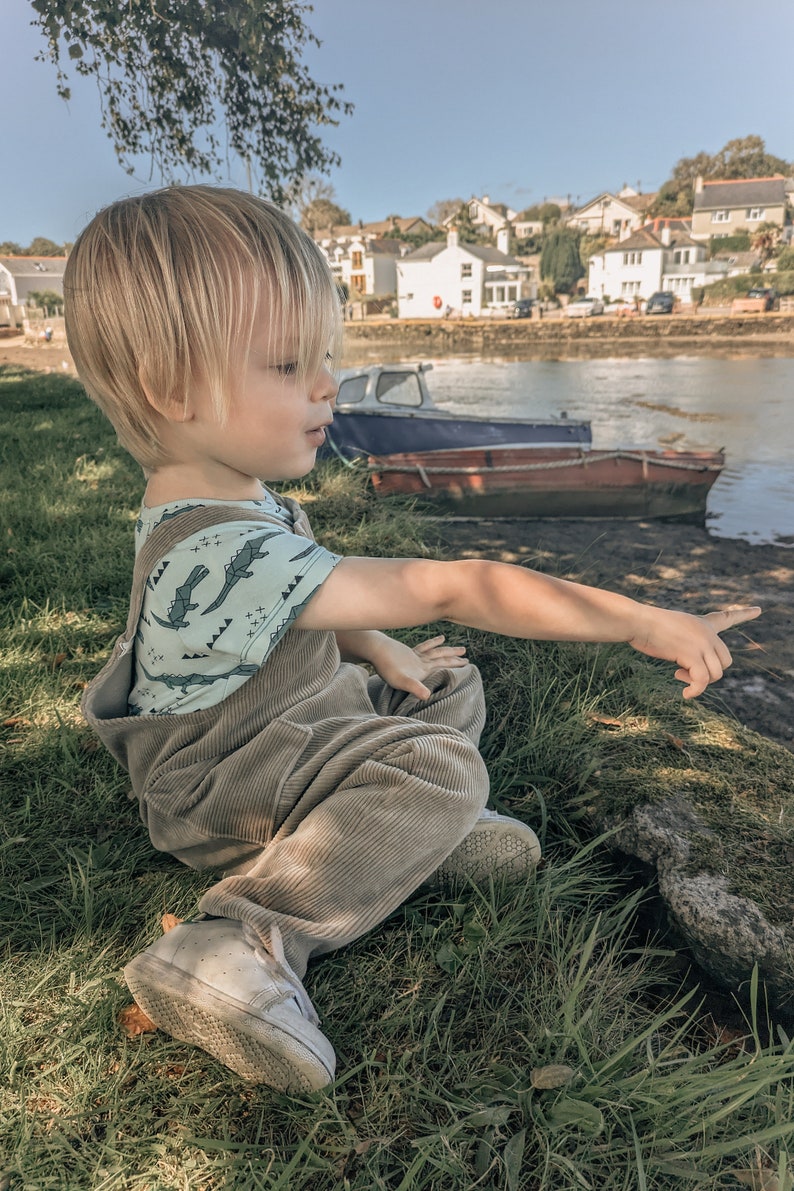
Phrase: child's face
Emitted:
{"points": [[275, 422]]}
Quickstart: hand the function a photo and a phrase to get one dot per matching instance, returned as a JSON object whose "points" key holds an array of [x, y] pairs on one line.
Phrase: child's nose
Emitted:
{"points": [[325, 387]]}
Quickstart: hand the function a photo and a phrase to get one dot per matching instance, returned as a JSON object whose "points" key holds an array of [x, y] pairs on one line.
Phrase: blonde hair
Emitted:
{"points": [[164, 289]]}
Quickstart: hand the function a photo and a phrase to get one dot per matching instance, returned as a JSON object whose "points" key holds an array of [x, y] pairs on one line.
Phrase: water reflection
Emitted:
{"points": [[744, 405]]}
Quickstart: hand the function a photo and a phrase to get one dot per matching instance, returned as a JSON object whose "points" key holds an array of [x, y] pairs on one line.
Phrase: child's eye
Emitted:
{"points": [[288, 369]]}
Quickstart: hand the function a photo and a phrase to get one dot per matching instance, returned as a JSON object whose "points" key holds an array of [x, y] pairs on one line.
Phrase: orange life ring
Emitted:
{"points": [[437, 302]]}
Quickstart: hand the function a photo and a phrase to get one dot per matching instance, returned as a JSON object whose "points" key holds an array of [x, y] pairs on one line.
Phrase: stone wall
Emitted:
{"points": [[657, 335]]}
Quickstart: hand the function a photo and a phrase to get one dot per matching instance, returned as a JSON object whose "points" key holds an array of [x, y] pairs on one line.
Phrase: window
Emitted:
{"points": [[357, 260], [632, 258], [755, 213], [465, 270], [681, 256], [720, 216], [465, 295], [398, 388], [629, 288], [359, 282], [352, 390]]}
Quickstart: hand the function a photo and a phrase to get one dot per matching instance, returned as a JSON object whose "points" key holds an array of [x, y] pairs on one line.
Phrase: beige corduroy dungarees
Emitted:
{"points": [[323, 797]]}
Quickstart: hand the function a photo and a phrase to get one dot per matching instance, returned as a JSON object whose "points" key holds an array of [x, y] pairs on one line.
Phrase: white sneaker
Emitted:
{"points": [[210, 983], [497, 846]]}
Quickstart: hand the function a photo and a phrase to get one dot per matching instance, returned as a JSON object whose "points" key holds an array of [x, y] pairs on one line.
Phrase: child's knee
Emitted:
{"points": [[451, 762]]}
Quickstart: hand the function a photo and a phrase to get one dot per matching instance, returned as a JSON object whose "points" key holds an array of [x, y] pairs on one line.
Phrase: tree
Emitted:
{"points": [[743, 157], [11, 248], [167, 70], [41, 246], [443, 209], [765, 240], [785, 261], [48, 300], [544, 213], [560, 262], [321, 213]]}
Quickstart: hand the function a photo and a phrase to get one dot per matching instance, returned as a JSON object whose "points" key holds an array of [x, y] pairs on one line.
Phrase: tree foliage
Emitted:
{"points": [[47, 300], [323, 213], [743, 157], [168, 69], [544, 213], [39, 246], [444, 209], [560, 261]]}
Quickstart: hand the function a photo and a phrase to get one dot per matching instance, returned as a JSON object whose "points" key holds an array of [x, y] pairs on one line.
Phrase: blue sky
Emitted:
{"points": [[518, 99]]}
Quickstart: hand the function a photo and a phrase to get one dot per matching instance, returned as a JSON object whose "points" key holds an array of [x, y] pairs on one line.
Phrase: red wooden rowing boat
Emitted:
{"points": [[554, 482]]}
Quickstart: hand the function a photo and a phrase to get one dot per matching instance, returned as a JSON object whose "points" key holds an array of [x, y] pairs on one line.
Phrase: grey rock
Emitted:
{"points": [[725, 933]]}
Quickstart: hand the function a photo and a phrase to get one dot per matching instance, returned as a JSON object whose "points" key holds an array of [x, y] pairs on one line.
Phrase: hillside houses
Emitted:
{"points": [[663, 255]]}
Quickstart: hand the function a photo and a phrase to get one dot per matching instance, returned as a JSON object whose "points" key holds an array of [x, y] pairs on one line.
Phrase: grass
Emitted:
{"points": [[531, 1040]]}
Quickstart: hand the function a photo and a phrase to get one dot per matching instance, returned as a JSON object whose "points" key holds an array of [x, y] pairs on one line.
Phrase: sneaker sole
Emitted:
{"points": [[260, 1051], [492, 849]]}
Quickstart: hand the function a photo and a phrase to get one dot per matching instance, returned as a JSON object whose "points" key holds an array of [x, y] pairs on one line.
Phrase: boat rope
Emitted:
{"points": [[423, 469]]}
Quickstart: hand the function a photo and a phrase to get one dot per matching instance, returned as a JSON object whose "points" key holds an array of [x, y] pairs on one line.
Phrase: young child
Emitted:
{"points": [[201, 321]]}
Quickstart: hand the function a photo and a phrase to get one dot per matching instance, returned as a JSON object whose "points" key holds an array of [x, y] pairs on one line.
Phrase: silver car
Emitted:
{"points": [[584, 307]]}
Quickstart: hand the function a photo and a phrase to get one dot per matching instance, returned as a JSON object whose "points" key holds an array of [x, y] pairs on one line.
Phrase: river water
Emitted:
{"points": [[744, 405]]}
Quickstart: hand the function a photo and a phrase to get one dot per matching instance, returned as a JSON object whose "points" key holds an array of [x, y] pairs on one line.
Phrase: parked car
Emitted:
{"points": [[584, 307], [662, 302], [521, 309], [770, 296]]}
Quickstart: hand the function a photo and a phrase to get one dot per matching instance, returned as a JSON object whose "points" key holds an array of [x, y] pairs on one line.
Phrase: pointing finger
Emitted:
{"points": [[726, 618]]}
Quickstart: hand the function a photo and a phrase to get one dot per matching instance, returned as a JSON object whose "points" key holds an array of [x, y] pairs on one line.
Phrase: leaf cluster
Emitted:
{"points": [[170, 71], [560, 261]]}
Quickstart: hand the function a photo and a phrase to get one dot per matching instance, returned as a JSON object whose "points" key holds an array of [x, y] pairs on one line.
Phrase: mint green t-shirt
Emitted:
{"points": [[216, 605]]}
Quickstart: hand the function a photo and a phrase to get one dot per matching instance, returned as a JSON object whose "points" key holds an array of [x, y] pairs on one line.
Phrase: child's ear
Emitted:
{"points": [[172, 407]]}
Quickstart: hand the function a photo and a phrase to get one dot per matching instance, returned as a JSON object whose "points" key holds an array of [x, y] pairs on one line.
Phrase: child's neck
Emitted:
{"points": [[179, 482]]}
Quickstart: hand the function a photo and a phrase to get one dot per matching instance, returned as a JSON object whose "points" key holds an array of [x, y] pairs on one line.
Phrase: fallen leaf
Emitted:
{"points": [[608, 720], [58, 660], [758, 1180], [555, 1075], [168, 922], [675, 741], [134, 1021], [17, 721]]}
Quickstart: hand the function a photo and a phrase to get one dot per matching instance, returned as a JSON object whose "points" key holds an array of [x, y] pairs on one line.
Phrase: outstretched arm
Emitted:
{"points": [[370, 593]]}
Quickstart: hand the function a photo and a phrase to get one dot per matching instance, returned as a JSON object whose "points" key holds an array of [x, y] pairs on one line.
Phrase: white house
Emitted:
{"points": [[612, 214], [485, 215], [366, 265], [411, 225], [660, 256], [20, 276], [465, 279]]}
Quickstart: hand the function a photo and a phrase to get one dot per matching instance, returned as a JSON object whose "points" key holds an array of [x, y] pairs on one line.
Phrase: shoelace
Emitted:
{"points": [[276, 956]]}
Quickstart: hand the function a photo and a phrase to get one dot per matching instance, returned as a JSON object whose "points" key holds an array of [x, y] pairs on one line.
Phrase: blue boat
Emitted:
{"points": [[386, 409]]}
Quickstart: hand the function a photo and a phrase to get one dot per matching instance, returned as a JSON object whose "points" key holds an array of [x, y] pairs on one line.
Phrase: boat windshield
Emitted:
{"points": [[402, 388]]}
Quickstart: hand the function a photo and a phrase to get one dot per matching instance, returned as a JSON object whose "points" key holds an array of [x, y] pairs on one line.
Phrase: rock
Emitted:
{"points": [[726, 934]]}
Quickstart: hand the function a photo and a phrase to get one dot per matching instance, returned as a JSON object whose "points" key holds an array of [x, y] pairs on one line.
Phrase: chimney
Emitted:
{"points": [[452, 237], [699, 184], [503, 240], [666, 235], [486, 198]]}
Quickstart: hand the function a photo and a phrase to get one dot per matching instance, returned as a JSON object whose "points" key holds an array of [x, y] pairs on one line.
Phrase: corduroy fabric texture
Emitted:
{"points": [[323, 797]]}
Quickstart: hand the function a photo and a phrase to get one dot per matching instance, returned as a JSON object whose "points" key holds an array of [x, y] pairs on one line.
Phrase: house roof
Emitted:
{"points": [[427, 251], [34, 266], [649, 237], [379, 229], [742, 260], [741, 192], [634, 202], [482, 252]]}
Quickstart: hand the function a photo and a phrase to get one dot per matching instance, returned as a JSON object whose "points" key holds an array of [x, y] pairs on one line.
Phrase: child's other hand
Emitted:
{"points": [[692, 642], [405, 669]]}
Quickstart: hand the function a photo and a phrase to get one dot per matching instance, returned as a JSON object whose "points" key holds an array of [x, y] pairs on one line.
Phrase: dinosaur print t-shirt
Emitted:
{"points": [[216, 605]]}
